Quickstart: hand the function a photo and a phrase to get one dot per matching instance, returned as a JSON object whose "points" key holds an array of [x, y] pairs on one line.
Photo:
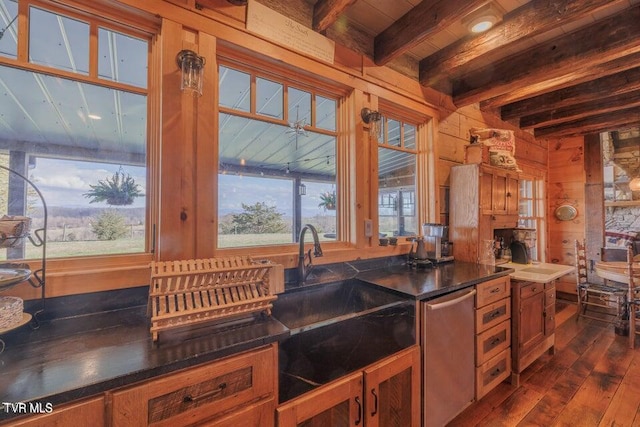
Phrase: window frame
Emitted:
{"points": [[260, 68], [69, 275], [424, 174]]}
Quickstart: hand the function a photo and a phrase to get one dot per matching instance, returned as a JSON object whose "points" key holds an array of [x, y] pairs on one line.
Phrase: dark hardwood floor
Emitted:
{"points": [[592, 380]]}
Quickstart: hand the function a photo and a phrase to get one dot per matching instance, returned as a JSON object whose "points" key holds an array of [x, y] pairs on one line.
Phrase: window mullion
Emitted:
{"points": [[93, 50], [23, 31]]}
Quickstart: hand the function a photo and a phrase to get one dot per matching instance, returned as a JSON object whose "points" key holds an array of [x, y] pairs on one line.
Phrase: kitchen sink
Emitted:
{"points": [[320, 305]]}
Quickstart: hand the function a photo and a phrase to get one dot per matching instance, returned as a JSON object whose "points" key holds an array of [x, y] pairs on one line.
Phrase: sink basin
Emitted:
{"points": [[321, 305], [318, 356]]}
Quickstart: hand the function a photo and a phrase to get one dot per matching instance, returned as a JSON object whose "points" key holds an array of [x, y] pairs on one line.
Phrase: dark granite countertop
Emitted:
{"points": [[426, 283], [75, 356], [81, 356]]}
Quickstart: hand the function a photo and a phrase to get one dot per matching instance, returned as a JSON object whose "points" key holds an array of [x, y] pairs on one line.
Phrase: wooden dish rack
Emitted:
{"points": [[188, 292]]}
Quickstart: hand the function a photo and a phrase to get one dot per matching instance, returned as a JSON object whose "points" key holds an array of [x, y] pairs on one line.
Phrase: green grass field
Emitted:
{"points": [[57, 249]]}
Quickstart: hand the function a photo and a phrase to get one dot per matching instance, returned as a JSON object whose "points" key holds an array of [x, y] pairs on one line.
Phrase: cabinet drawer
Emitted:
{"points": [[492, 290], [200, 393], [528, 289], [550, 297], [492, 341], [549, 320], [492, 314], [492, 373]]}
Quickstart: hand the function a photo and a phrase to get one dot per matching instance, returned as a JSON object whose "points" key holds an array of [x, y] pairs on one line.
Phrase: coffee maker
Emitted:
{"points": [[433, 237]]}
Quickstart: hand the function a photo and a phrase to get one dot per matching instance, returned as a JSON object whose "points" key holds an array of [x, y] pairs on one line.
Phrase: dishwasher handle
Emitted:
{"points": [[444, 304]]}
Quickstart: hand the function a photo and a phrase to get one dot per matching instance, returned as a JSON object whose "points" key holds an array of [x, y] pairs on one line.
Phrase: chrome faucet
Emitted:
{"points": [[304, 270]]}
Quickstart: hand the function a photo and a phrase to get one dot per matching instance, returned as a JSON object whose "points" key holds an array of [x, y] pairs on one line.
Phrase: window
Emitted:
{"points": [[9, 28], [277, 160], [79, 135], [531, 212], [397, 210]]}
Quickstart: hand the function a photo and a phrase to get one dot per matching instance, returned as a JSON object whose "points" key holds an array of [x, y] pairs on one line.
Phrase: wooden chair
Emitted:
{"points": [[607, 296], [633, 273]]}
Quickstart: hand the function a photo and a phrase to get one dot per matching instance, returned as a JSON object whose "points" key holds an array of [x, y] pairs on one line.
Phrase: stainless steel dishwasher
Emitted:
{"points": [[448, 366]]}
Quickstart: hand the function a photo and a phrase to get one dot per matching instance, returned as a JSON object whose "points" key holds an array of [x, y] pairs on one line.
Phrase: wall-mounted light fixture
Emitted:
{"points": [[373, 119], [302, 190], [482, 19], [191, 66]]}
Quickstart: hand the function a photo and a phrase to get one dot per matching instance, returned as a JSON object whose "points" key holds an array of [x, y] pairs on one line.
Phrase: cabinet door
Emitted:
{"points": [[338, 404], [392, 391], [499, 192], [85, 413], [486, 192], [532, 325]]}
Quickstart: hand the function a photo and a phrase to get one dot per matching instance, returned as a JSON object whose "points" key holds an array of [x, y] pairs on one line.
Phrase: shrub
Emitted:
{"points": [[109, 225]]}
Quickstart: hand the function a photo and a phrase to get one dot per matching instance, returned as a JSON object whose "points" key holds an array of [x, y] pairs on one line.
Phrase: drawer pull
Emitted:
{"points": [[494, 290], [495, 372], [495, 314], [359, 420], [189, 398], [495, 341]]}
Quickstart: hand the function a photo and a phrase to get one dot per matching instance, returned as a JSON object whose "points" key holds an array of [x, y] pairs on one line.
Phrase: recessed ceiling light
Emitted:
{"points": [[482, 19], [482, 24], [94, 117]]}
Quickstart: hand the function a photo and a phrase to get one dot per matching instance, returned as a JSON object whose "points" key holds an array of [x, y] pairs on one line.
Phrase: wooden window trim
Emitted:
{"points": [[75, 275], [263, 69]]}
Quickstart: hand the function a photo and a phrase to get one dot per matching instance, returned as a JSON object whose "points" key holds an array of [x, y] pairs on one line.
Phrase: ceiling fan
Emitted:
{"points": [[297, 128]]}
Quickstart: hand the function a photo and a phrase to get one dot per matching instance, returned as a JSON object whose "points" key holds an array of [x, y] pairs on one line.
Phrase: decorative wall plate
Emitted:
{"points": [[566, 213]]}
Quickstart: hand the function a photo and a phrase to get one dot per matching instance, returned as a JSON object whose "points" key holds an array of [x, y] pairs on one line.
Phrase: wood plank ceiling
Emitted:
{"points": [[556, 67]]}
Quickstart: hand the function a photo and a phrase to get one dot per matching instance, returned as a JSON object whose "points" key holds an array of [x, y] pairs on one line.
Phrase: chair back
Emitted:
{"points": [[581, 263]]}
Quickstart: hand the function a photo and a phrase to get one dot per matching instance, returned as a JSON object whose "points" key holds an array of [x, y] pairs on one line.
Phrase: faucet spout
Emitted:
{"points": [[305, 269]]}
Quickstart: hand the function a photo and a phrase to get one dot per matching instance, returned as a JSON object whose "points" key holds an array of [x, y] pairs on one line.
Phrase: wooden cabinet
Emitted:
{"points": [[513, 194], [533, 323], [482, 198], [385, 394], [237, 390], [88, 412], [493, 334]]}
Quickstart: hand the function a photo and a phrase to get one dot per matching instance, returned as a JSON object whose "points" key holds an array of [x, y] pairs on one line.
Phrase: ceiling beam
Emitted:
{"points": [[424, 20], [581, 110], [326, 12], [592, 124], [587, 73], [531, 19], [559, 61], [591, 91]]}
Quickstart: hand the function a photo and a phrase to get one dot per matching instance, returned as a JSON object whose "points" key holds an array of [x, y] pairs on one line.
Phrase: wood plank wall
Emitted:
{"points": [[566, 185]]}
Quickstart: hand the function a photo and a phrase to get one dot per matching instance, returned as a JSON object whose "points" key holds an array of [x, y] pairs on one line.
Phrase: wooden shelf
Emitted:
{"points": [[622, 203]]}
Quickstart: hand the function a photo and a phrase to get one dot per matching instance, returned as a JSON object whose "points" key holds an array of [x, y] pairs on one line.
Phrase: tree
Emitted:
{"points": [[259, 218], [117, 190], [109, 225]]}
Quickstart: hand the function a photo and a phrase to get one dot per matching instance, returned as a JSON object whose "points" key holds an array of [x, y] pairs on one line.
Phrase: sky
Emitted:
{"points": [[63, 182]]}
